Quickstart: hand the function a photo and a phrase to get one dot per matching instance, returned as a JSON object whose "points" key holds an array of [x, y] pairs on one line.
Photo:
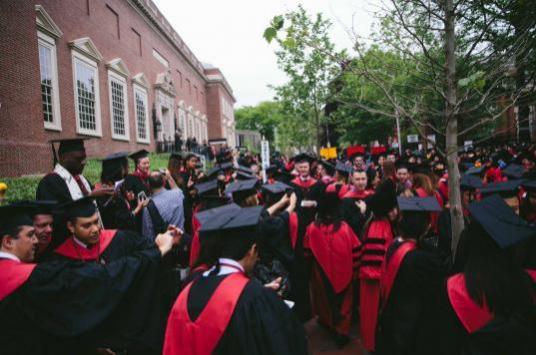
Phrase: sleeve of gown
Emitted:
{"points": [[446, 325], [66, 298], [52, 187], [275, 330]]}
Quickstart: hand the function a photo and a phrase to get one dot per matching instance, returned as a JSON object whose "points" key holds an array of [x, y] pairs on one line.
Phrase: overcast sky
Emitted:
{"points": [[228, 34]]}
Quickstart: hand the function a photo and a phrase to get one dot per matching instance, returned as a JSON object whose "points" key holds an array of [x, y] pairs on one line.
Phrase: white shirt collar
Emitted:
{"points": [[4, 255], [77, 241], [234, 267], [61, 171]]}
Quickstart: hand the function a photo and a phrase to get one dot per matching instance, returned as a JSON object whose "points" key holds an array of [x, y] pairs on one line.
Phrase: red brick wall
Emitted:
{"points": [[114, 37]]}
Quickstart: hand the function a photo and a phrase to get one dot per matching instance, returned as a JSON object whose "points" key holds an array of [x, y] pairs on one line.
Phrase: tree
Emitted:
{"points": [[302, 46], [263, 118]]}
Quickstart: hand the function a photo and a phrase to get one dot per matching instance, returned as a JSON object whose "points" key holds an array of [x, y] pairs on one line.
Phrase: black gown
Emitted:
{"points": [[403, 326], [64, 306], [261, 323], [151, 298], [116, 214], [502, 335]]}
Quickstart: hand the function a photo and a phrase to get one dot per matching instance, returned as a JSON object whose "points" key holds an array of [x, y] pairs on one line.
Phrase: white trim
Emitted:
{"points": [[143, 91], [118, 66], [49, 42], [82, 59], [141, 80], [119, 79], [86, 46], [160, 58], [45, 23]]}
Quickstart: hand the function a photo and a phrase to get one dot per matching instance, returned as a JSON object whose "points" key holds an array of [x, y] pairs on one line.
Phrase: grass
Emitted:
{"points": [[23, 188]]}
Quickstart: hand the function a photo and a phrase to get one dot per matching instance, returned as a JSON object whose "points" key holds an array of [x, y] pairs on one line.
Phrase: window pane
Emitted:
{"points": [[118, 108], [141, 104], [85, 88], [45, 60]]}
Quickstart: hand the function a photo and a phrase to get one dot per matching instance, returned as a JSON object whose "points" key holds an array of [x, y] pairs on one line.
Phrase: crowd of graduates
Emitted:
{"points": [[237, 257]]}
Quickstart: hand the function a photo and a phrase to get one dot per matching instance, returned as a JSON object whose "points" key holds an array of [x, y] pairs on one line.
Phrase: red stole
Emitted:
{"points": [[293, 229], [358, 195], [13, 275], [195, 247], [343, 189], [471, 315], [391, 268], [304, 184], [333, 252], [70, 249], [199, 337]]}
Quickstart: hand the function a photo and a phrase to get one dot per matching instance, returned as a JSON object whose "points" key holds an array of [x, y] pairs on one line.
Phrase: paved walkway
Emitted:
{"points": [[320, 341]]}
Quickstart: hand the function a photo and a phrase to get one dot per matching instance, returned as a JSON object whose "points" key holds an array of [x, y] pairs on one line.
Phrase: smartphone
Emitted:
{"points": [[142, 195]]}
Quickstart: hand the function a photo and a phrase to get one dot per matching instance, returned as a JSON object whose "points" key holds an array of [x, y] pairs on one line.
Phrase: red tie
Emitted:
{"points": [[81, 185]]}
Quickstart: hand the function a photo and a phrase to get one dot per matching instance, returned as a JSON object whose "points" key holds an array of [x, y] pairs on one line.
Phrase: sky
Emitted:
{"points": [[228, 35]]}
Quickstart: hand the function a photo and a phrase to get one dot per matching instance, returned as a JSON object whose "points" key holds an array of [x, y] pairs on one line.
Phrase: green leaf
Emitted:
{"points": [[278, 22], [269, 34]]}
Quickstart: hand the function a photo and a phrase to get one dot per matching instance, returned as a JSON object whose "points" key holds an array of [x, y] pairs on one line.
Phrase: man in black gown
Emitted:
{"points": [[226, 312]]}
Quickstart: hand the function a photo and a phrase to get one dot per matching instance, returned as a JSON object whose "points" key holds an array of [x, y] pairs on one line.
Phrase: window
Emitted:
{"points": [[49, 81], [86, 94], [142, 114], [118, 106]]}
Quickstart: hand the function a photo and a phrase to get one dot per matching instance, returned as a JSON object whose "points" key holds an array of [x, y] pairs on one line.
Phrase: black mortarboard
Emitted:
{"points": [[344, 168], [37, 206], [244, 176], [233, 219], [272, 169], [245, 169], [213, 172], [475, 170], [15, 215], [505, 189], [140, 154], [383, 200], [470, 182], [276, 188], [330, 169], [207, 215], [206, 187], [418, 204], [303, 157], [530, 185], [227, 166], [242, 185], [115, 159], [514, 171], [500, 222], [83, 207], [67, 145]]}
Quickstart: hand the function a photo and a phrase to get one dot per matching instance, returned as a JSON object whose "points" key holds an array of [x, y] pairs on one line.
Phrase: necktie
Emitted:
{"points": [[81, 185]]}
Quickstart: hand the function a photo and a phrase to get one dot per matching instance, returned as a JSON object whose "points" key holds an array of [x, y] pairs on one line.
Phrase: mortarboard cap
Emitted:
{"points": [[470, 182], [500, 222], [116, 156], [15, 215], [227, 166], [140, 154], [276, 188], [303, 157], [244, 176], [505, 189], [207, 215], [213, 172], [514, 171], [418, 204], [67, 145], [245, 169], [475, 170], [242, 185], [206, 187], [530, 185], [83, 207], [233, 219], [344, 168]]}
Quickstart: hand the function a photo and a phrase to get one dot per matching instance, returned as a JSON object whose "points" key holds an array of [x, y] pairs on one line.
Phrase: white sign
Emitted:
{"points": [[431, 138], [265, 157], [468, 145], [413, 138]]}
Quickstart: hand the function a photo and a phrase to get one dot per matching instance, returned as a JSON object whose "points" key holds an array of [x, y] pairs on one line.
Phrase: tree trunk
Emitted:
{"points": [[456, 214]]}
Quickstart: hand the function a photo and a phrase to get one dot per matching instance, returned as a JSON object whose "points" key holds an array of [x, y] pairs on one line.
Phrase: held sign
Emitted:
{"points": [[413, 138], [265, 154]]}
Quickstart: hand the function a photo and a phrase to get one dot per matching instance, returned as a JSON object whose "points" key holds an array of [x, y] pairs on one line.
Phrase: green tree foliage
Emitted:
{"points": [[263, 118]]}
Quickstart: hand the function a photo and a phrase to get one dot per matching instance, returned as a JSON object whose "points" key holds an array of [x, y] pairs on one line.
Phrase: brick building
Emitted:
{"points": [[114, 70]]}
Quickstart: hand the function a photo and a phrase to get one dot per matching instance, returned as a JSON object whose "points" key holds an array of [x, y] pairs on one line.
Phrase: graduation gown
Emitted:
{"points": [[299, 275], [115, 213], [410, 285], [157, 288], [351, 214], [244, 318], [334, 257], [64, 307], [463, 327]]}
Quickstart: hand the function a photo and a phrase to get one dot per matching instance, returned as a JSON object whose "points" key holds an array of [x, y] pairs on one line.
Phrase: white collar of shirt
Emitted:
{"points": [[234, 267], [4, 255], [77, 241], [306, 178], [72, 185]]}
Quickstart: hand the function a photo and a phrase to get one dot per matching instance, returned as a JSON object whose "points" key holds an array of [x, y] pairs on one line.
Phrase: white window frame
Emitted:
{"points": [[119, 79], [142, 90], [49, 42], [78, 57]]}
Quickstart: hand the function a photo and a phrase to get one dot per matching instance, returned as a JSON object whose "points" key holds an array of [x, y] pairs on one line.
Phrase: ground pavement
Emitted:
{"points": [[320, 342]]}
